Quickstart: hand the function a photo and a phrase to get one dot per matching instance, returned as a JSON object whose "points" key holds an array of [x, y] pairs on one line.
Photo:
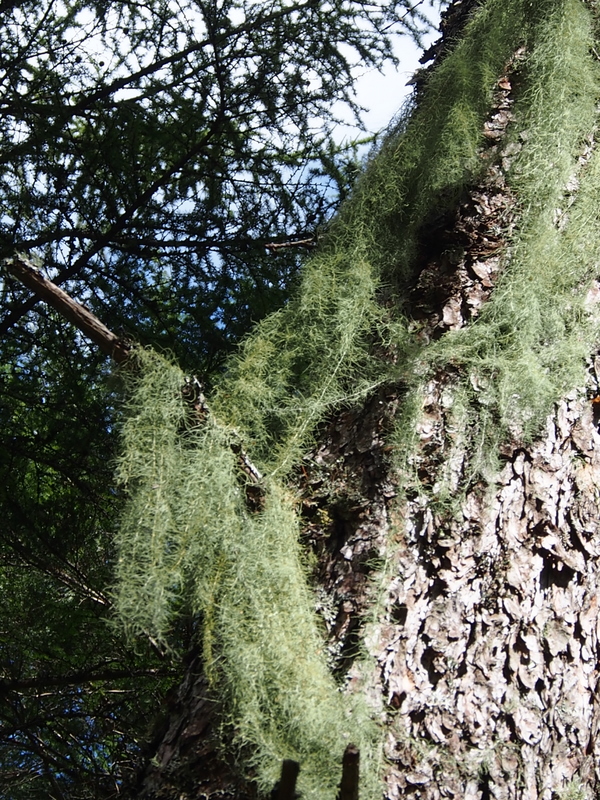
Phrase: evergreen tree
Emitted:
{"points": [[410, 445]]}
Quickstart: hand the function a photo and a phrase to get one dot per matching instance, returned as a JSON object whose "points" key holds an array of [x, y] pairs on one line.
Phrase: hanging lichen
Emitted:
{"points": [[187, 535], [531, 341]]}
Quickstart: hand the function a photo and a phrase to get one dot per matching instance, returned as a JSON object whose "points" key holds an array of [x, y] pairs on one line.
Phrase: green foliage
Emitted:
{"points": [[148, 152], [309, 357], [66, 675], [432, 155], [574, 790]]}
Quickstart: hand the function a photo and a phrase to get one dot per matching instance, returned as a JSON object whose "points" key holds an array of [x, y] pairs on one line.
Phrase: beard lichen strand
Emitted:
{"points": [[188, 539], [466, 252], [347, 480], [526, 348]]}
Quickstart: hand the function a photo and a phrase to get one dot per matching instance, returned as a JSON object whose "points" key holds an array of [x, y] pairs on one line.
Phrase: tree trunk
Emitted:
{"points": [[484, 648], [489, 647]]}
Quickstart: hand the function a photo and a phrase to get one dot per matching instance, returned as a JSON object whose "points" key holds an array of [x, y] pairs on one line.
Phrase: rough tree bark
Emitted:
{"points": [[487, 653]]}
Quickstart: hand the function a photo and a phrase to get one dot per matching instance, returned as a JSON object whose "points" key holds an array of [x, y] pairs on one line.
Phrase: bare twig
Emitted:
{"points": [[350, 774], [311, 241]]}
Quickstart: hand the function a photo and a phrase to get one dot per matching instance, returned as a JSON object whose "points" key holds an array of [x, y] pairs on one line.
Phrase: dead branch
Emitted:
{"points": [[273, 247], [24, 271]]}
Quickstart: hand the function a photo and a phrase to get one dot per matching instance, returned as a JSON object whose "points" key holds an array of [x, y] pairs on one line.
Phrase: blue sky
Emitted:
{"points": [[382, 94]]}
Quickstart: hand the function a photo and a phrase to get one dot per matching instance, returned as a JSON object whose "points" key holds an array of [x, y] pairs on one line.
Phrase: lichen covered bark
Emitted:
{"points": [[450, 503], [486, 644]]}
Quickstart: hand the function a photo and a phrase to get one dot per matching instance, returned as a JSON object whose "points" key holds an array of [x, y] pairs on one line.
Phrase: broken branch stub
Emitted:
{"points": [[350, 773], [287, 782]]}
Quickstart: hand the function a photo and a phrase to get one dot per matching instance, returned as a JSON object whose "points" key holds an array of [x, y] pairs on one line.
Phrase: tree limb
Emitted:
{"points": [[76, 678], [118, 225], [23, 270]]}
